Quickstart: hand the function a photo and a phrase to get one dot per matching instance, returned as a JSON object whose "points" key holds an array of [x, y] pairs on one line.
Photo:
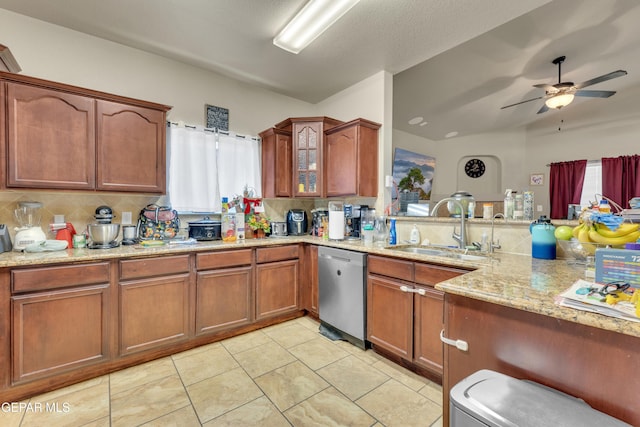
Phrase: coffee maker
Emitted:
{"points": [[352, 217], [296, 222]]}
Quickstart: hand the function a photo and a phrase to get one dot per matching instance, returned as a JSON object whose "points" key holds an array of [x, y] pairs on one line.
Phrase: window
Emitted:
{"points": [[592, 182]]}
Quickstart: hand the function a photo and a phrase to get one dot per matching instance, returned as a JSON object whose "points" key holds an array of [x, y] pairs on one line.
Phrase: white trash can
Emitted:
{"points": [[491, 399]]}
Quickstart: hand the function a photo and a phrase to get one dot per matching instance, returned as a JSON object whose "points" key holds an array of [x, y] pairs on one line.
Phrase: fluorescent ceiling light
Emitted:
{"points": [[560, 101], [314, 18]]}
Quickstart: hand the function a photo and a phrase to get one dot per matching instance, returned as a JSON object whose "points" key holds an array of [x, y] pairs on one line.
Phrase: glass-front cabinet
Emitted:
{"points": [[308, 146]]}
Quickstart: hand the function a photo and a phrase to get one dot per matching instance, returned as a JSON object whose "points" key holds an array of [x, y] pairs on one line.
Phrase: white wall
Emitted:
{"points": [[370, 99], [522, 152], [56, 53]]}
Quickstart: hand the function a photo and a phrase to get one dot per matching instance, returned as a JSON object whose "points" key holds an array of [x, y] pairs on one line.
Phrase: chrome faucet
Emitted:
{"points": [[493, 245], [462, 237]]}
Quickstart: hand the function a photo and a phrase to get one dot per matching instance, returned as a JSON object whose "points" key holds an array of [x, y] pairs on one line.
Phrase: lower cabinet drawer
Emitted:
{"points": [[45, 278], [223, 259], [278, 253], [150, 267]]}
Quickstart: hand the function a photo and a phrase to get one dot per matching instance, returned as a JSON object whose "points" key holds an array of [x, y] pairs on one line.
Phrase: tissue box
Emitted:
{"points": [[618, 265]]}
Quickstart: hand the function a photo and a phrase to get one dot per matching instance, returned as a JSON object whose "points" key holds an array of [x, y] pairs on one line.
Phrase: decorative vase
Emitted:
{"points": [[260, 234], [248, 232]]}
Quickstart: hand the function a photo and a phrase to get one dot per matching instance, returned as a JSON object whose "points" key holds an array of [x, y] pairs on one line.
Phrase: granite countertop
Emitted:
{"points": [[516, 281]]}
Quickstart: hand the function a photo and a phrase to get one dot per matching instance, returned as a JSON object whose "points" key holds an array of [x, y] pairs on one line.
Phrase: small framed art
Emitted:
{"points": [[216, 117], [536, 179]]}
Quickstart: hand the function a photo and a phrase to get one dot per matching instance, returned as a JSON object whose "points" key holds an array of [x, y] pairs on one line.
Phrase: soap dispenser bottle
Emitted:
{"points": [[414, 237], [393, 239]]}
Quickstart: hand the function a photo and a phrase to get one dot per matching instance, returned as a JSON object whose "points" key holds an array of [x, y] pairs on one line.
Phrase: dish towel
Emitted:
{"points": [[193, 182]]}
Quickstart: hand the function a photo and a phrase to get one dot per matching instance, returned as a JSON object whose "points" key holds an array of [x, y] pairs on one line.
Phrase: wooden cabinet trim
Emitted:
{"points": [[430, 274], [44, 278], [278, 253], [150, 267], [222, 259], [391, 267]]}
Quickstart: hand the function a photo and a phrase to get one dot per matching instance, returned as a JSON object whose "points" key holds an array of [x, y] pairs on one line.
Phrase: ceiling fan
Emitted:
{"points": [[562, 93]]}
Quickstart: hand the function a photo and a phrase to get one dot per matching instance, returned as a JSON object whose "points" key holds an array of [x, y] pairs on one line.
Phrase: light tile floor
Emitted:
{"points": [[283, 375]]}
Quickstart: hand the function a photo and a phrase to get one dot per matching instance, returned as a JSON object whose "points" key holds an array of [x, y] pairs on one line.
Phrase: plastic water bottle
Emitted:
{"points": [[392, 233], [508, 204]]}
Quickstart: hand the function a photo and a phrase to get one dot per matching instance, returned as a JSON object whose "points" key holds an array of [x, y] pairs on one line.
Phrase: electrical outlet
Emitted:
{"points": [[539, 208]]}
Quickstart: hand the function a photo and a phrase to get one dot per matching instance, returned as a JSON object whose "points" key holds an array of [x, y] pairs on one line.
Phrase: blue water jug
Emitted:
{"points": [[543, 239]]}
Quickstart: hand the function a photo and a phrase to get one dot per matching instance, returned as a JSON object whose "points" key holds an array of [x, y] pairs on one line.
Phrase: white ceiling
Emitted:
{"points": [[455, 63]]}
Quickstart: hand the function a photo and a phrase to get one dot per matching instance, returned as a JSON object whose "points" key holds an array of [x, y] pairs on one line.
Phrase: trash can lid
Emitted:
{"points": [[499, 400]]}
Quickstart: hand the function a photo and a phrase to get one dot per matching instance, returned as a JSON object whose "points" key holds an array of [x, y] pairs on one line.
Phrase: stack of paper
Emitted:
{"points": [[583, 295]]}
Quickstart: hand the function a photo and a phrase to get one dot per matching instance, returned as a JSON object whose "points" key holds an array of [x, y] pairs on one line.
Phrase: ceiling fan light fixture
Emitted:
{"points": [[314, 18], [559, 101]]}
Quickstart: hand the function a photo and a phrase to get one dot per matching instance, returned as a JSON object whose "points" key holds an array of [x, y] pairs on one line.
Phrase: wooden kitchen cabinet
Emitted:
{"points": [[587, 362], [390, 315], [277, 164], [60, 320], [309, 279], [351, 159], [277, 281], [155, 303], [308, 140], [51, 138], [405, 312], [64, 137], [224, 290], [131, 148]]}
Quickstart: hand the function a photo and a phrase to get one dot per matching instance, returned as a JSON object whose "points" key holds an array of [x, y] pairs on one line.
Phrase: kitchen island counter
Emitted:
{"points": [[516, 281]]}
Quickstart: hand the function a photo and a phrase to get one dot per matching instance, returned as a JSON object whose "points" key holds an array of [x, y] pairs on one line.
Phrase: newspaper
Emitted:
{"points": [[583, 295]]}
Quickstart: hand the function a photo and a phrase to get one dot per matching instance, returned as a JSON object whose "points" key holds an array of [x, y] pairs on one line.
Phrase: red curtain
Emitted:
{"points": [[565, 186], [621, 178]]}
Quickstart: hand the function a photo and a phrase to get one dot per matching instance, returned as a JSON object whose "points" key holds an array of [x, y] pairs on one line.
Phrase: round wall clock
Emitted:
{"points": [[474, 168]]}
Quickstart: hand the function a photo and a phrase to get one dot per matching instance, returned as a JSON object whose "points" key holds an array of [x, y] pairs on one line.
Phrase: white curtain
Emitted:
{"points": [[238, 165], [193, 176]]}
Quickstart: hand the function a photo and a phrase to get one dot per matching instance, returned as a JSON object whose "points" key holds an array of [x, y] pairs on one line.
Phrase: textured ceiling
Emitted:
{"points": [[455, 63]]}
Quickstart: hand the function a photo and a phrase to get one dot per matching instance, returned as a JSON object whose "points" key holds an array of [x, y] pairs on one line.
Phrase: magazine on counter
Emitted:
{"points": [[586, 296]]}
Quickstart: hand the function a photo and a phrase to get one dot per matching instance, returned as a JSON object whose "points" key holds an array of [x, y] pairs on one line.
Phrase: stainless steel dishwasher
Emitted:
{"points": [[342, 294]]}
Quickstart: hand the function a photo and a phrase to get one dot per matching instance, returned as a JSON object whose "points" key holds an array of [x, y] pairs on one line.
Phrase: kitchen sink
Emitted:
{"points": [[439, 252]]}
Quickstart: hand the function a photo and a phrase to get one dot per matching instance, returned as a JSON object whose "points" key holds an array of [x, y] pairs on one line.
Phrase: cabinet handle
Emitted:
{"points": [[404, 288], [459, 344]]}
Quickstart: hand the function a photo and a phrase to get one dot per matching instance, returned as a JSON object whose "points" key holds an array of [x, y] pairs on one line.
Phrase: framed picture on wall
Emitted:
{"points": [[216, 117], [536, 179]]}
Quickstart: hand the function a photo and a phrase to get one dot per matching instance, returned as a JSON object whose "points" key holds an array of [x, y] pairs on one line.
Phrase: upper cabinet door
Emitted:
{"points": [[51, 138], [131, 148], [308, 139]]}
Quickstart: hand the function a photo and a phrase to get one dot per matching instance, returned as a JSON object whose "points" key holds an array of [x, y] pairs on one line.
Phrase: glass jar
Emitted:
{"points": [[228, 227]]}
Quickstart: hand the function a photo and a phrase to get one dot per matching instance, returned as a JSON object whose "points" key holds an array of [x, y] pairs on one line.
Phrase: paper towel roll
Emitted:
{"points": [[336, 225]]}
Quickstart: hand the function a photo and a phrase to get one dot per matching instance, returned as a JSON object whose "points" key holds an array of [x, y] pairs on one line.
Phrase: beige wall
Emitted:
{"points": [[59, 54]]}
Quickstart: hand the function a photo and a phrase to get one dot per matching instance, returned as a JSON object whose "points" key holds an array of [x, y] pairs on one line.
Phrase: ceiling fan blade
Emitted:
{"points": [[521, 102], [595, 93], [543, 109], [602, 78], [546, 87]]}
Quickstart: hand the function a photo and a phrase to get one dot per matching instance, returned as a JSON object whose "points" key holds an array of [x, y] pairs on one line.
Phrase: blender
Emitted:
{"points": [[29, 230]]}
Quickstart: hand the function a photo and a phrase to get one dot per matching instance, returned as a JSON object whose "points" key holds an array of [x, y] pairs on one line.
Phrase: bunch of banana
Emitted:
{"points": [[600, 233]]}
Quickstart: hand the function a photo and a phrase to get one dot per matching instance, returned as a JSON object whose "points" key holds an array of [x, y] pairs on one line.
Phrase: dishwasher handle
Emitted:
{"points": [[337, 258]]}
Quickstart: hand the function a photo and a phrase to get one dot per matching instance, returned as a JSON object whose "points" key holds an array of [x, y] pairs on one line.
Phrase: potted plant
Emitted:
{"points": [[259, 224]]}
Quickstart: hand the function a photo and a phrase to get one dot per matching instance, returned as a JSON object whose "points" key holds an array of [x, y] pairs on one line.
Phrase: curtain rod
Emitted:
{"points": [[588, 161], [213, 130]]}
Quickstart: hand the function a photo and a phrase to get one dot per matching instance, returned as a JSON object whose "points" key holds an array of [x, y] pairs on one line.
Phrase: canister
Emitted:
{"points": [[543, 239], [336, 221], [487, 210]]}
